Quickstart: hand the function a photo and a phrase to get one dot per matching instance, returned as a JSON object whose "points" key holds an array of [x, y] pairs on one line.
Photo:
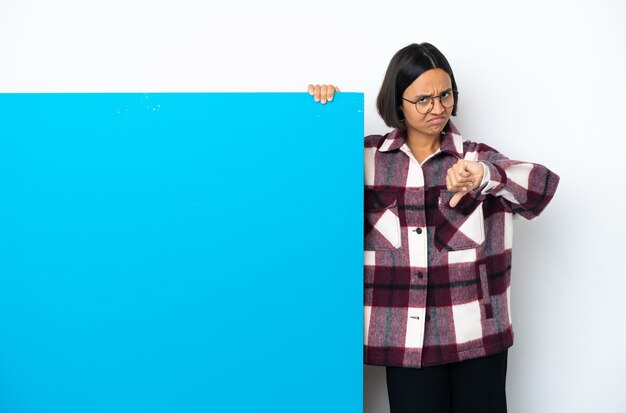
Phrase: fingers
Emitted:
{"points": [[458, 178], [330, 93], [463, 177], [456, 198], [457, 181], [322, 93]]}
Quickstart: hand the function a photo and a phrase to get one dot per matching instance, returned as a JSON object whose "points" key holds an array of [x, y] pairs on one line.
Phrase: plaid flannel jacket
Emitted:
{"points": [[437, 278]]}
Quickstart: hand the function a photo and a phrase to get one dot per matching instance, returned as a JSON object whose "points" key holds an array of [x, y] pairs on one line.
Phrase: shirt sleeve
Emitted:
{"points": [[486, 176], [523, 188]]}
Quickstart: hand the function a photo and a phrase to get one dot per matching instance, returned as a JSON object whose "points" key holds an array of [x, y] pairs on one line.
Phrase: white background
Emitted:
{"points": [[540, 81]]}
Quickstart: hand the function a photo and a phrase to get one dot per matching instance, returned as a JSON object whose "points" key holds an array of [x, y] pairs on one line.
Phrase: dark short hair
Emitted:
{"points": [[406, 66]]}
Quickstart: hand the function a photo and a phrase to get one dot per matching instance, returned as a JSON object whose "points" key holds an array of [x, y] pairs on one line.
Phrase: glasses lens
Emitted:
{"points": [[424, 105], [447, 100]]}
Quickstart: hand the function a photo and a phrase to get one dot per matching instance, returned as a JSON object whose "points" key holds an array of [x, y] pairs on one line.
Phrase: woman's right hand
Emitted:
{"points": [[322, 93]]}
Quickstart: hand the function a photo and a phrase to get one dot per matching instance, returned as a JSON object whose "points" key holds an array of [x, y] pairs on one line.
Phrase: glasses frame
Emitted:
{"points": [[432, 101]]}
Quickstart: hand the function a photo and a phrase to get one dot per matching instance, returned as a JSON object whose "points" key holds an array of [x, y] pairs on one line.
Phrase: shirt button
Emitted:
{"points": [[418, 230], [420, 275]]}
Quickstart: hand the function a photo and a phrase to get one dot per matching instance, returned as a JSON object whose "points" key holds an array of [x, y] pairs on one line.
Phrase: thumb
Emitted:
{"points": [[456, 198]]}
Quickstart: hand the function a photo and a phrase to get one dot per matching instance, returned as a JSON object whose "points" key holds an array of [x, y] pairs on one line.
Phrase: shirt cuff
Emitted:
{"points": [[486, 174], [492, 178]]}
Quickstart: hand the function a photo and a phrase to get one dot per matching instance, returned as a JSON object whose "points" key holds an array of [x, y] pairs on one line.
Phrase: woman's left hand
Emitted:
{"points": [[322, 93], [463, 177]]}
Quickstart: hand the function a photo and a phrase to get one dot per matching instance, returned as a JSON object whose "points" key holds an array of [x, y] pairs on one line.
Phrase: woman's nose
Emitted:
{"points": [[438, 108]]}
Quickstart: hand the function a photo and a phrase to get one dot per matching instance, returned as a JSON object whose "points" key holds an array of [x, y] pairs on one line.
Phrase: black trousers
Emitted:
{"points": [[471, 386]]}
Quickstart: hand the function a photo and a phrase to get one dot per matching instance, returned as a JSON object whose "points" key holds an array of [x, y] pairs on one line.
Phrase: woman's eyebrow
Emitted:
{"points": [[430, 96]]}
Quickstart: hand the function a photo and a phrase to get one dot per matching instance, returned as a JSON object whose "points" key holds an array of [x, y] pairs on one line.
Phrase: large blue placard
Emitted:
{"points": [[180, 253]]}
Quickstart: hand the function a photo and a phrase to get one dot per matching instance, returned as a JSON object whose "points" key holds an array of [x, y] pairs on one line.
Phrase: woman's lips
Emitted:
{"points": [[438, 120]]}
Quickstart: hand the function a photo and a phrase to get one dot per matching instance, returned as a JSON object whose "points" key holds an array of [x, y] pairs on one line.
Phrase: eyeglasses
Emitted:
{"points": [[424, 104]]}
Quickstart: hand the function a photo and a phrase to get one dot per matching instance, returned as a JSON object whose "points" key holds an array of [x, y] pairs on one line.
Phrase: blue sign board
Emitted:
{"points": [[183, 252]]}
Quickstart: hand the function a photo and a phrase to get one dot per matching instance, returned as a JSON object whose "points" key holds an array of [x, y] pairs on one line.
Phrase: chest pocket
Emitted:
{"points": [[456, 230], [382, 222]]}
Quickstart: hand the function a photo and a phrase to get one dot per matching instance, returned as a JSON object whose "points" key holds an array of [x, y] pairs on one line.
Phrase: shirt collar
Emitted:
{"points": [[451, 141]]}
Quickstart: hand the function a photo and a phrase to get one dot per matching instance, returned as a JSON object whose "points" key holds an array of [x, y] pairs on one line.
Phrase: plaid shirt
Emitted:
{"points": [[437, 278]]}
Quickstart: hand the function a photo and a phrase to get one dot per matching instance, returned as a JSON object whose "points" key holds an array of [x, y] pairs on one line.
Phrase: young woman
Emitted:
{"points": [[438, 236]]}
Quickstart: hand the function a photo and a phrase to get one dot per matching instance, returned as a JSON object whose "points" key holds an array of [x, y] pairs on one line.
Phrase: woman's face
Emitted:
{"points": [[432, 83]]}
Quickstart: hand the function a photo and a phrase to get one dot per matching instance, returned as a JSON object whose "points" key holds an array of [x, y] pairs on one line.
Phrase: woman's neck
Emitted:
{"points": [[422, 146]]}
